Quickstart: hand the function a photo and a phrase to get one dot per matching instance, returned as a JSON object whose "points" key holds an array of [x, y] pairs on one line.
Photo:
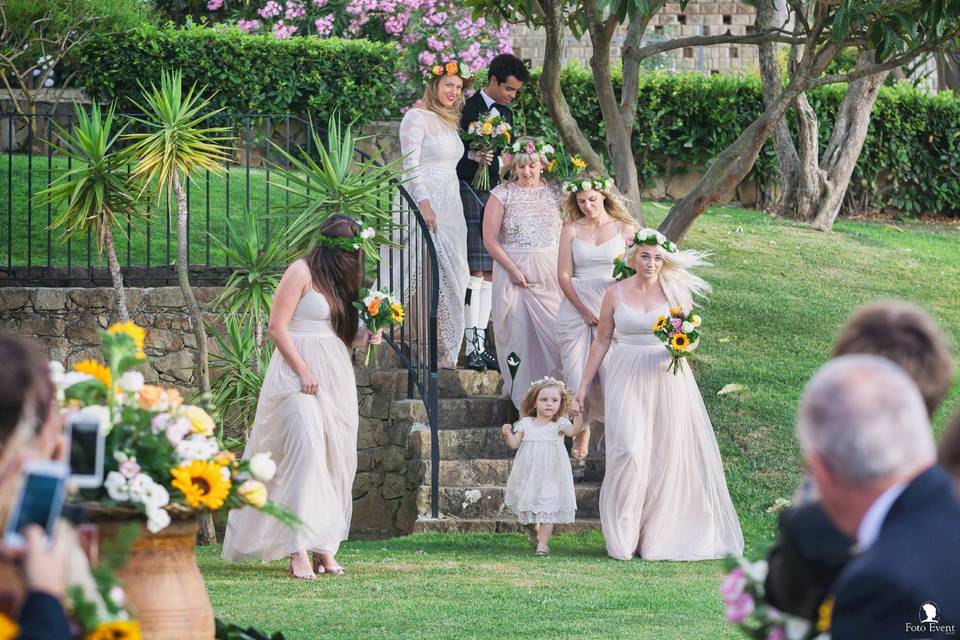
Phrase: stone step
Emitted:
{"points": [[487, 502], [495, 525], [467, 473], [459, 383], [462, 444], [456, 413]]}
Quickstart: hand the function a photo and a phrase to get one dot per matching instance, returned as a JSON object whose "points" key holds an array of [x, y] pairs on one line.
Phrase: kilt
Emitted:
{"points": [[473, 203]]}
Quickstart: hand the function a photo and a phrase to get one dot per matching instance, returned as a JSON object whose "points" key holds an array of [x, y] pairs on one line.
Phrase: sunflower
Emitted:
{"points": [[96, 369], [116, 630], [8, 628], [680, 341], [137, 333], [660, 324], [202, 484], [396, 313]]}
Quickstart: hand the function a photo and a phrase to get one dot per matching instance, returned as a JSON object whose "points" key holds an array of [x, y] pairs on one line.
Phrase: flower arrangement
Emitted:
{"points": [[491, 133], [621, 270], [451, 68], [365, 239], [677, 331], [378, 310], [597, 184], [743, 599], [163, 456]]}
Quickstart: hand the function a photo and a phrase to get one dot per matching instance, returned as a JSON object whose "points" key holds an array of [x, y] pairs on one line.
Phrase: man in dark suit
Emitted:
{"points": [[868, 444], [505, 77]]}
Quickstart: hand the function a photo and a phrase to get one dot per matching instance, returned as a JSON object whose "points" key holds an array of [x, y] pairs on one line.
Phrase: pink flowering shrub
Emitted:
{"points": [[429, 31]]}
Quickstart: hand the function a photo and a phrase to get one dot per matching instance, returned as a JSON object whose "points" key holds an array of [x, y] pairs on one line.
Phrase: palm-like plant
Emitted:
{"points": [[336, 181], [95, 192], [176, 142], [237, 387]]}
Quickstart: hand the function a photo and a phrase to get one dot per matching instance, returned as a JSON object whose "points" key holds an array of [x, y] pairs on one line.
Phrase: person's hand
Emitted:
{"points": [[574, 408], [481, 157], [589, 318], [308, 383], [579, 396], [517, 277], [45, 564], [375, 338], [429, 215], [506, 430]]}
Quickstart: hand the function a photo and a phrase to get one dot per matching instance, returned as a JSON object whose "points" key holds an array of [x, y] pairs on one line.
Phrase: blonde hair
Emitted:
{"points": [[431, 102], [524, 159], [679, 284], [611, 203], [528, 407]]}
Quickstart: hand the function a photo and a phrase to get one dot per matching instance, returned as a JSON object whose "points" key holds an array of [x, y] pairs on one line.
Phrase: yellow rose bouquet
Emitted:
{"points": [[677, 331], [378, 310], [491, 133], [162, 455]]}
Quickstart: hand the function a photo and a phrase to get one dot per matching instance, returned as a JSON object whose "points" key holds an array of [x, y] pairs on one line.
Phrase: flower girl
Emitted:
{"points": [[540, 487]]}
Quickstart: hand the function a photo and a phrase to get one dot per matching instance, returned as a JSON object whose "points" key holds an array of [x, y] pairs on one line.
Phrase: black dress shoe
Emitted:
{"points": [[476, 362], [489, 361]]}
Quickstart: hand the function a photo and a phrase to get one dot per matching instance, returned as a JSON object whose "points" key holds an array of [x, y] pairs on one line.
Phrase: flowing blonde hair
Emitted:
{"points": [[611, 202], [528, 407], [679, 284], [524, 159], [431, 102]]}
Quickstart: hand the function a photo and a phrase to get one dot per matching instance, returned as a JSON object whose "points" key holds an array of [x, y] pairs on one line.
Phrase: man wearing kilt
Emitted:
{"points": [[505, 77]]}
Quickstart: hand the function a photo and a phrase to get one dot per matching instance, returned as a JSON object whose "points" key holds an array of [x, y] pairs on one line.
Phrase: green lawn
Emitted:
{"points": [[781, 294]]}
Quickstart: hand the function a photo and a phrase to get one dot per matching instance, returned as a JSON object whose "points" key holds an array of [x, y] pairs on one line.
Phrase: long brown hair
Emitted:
{"points": [[337, 274]]}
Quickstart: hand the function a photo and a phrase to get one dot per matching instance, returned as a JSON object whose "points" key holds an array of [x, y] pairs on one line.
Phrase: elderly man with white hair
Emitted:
{"points": [[868, 443]]}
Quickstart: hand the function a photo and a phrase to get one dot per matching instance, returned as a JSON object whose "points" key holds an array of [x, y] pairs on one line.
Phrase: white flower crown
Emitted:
{"points": [[599, 184], [538, 147], [549, 379], [651, 237]]}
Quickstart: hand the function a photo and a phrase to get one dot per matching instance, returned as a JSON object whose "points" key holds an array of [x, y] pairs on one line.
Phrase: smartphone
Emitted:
{"points": [[39, 502], [86, 440]]}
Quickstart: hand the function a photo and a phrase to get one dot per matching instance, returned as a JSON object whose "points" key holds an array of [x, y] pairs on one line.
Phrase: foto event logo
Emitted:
{"points": [[929, 621]]}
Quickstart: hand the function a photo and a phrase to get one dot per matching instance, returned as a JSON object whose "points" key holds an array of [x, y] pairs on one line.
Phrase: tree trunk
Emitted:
{"points": [[115, 274], [183, 274], [207, 533]]}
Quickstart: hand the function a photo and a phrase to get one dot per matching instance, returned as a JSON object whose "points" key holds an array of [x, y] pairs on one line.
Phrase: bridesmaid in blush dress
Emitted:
{"points": [[664, 495], [307, 415], [594, 235], [521, 230]]}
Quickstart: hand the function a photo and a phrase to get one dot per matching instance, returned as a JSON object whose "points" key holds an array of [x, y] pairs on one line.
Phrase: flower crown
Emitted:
{"points": [[347, 243], [533, 146], [654, 237], [597, 184], [550, 380], [452, 68]]}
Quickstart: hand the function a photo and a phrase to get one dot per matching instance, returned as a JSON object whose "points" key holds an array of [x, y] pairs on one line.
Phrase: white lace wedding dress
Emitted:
{"points": [[431, 150]]}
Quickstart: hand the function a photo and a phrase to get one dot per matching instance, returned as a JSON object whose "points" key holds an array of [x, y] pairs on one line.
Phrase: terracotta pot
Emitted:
{"points": [[164, 588]]}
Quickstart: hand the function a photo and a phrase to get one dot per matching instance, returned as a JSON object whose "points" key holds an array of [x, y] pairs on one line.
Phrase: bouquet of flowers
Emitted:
{"points": [[162, 456], [492, 133], [677, 331], [378, 310], [743, 599]]}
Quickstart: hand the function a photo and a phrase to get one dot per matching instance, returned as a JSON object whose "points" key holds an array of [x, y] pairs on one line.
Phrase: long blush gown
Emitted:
{"points": [[313, 440], [525, 319], [664, 495]]}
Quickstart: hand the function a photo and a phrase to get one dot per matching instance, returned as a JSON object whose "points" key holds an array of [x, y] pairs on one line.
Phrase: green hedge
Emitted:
{"points": [[249, 73], [910, 160]]}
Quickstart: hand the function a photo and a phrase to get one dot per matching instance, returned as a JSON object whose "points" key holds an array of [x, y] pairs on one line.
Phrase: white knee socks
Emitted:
{"points": [[471, 313]]}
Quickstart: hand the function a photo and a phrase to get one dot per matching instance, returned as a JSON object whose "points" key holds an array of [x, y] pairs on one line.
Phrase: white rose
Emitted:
{"points": [[131, 381], [586, 185], [548, 149], [157, 520], [687, 327], [155, 496], [756, 571], [368, 233], [661, 239], [643, 234], [116, 486], [263, 467]]}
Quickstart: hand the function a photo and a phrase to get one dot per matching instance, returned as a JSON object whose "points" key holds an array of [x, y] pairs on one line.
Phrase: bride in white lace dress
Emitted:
{"points": [[431, 147]]}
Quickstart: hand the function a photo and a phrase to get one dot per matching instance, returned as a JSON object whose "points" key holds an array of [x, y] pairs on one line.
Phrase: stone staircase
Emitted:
{"points": [[474, 460]]}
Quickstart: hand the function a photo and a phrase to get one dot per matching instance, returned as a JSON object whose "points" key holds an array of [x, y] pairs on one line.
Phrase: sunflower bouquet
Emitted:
{"points": [[378, 310], [491, 133], [677, 331], [163, 456]]}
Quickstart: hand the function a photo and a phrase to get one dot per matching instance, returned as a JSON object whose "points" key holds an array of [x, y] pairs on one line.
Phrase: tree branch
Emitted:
{"points": [[891, 63], [773, 35]]}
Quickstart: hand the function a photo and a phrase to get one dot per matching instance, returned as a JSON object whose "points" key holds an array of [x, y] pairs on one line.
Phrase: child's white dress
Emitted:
{"points": [[540, 487]]}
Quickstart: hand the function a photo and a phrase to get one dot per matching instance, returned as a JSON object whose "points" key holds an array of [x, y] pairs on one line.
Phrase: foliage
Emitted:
{"points": [[227, 631], [238, 365], [113, 556], [247, 73]]}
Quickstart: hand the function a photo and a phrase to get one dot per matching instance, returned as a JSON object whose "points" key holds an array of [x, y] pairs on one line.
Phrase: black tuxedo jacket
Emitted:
{"points": [[42, 618], [915, 560], [473, 108]]}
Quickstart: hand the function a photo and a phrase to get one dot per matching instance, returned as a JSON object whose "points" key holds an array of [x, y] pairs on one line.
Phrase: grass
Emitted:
{"points": [[782, 292]]}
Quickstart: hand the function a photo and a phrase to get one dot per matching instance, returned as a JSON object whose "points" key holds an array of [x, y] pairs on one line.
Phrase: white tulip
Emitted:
{"points": [[263, 467]]}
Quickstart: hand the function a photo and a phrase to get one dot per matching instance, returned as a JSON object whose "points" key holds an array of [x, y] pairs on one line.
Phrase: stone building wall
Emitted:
{"points": [[66, 323], [701, 17]]}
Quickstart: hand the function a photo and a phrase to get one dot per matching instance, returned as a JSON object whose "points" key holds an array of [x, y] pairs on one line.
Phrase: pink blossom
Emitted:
{"points": [[248, 25], [324, 25], [436, 45], [178, 430], [402, 77], [733, 585], [320, 3], [427, 58], [129, 468], [530, 148], [294, 10], [283, 31], [270, 10], [159, 422], [740, 608], [777, 633], [213, 5], [507, 158]]}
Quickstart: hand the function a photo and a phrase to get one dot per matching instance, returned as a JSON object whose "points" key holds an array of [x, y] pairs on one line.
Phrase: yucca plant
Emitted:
{"points": [[237, 385], [95, 192], [175, 143], [336, 181], [256, 266]]}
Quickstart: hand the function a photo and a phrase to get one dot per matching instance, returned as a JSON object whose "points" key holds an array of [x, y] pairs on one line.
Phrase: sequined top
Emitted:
{"points": [[531, 215]]}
